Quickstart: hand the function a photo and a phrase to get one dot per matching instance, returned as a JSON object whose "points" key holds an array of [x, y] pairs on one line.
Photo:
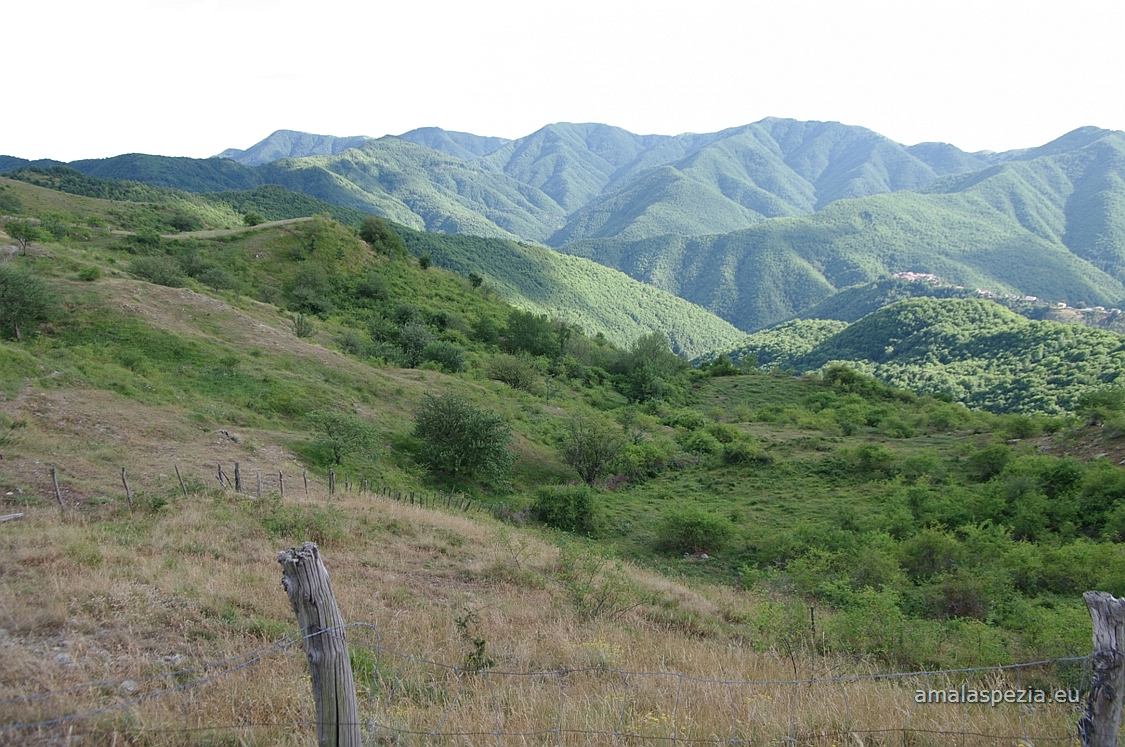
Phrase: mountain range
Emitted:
{"points": [[756, 223]]}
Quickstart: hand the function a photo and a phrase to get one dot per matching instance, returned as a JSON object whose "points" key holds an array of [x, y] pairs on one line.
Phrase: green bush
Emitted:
{"points": [[460, 441], [253, 219], [518, 373], [157, 269], [569, 508], [90, 273], [700, 442], [414, 338], [745, 452], [693, 530], [450, 356]]}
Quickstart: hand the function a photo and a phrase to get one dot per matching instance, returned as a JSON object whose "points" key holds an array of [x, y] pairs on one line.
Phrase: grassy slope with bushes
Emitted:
{"points": [[923, 536]]}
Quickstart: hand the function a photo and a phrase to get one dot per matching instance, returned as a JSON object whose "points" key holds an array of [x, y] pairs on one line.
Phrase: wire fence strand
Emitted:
{"points": [[210, 672]]}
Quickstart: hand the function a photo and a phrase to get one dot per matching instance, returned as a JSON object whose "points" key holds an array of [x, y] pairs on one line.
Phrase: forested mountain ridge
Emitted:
{"points": [[291, 144], [756, 223]]}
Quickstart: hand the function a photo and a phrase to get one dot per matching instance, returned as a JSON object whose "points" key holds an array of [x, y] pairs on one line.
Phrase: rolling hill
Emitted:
{"points": [[970, 350]]}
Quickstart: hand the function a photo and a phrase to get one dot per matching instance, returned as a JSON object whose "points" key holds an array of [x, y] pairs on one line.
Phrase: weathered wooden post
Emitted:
{"points": [[237, 478], [305, 477], [1101, 722], [281, 483], [331, 483], [58, 493], [128, 492], [183, 487], [305, 579]]}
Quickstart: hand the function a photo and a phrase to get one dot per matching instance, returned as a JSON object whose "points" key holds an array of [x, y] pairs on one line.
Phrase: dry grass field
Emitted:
{"points": [[160, 607]]}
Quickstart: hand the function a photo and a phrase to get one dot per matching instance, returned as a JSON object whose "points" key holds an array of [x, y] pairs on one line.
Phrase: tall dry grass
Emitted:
{"points": [[112, 597]]}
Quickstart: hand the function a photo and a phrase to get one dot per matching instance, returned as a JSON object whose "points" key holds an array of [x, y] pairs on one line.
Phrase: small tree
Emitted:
{"points": [[475, 279], [342, 434], [253, 219], [24, 301], [460, 441], [424, 261], [23, 232], [591, 447]]}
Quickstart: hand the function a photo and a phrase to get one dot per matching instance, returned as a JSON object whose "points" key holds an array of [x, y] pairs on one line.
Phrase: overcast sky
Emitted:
{"points": [[192, 77]]}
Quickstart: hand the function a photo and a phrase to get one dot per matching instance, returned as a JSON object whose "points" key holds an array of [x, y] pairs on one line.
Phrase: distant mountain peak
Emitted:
{"points": [[291, 144]]}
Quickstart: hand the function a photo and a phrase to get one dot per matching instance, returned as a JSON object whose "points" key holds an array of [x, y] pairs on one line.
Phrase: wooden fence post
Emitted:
{"points": [[331, 483], [58, 493], [281, 483], [183, 488], [1101, 722], [305, 477], [237, 478], [128, 492], [305, 579]]}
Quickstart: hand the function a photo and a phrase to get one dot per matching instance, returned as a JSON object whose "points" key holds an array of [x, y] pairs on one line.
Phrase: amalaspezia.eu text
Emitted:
{"points": [[994, 697]]}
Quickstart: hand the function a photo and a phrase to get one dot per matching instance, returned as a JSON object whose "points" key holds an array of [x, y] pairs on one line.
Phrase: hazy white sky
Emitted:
{"points": [[192, 77]]}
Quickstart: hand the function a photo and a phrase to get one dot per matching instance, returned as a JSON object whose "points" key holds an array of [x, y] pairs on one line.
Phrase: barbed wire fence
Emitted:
{"points": [[468, 688]]}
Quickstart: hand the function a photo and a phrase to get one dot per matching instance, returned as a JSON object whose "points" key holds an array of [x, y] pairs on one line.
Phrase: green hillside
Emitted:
{"points": [[972, 351], [420, 188], [781, 267], [920, 535], [595, 297], [757, 223]]}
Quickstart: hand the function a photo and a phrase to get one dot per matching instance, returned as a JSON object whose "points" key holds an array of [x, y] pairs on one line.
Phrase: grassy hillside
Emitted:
{"points": [[919, 534]]}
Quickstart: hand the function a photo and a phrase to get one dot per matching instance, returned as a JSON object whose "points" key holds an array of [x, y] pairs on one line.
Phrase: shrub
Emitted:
{"points": [[424, 261], [745, 452], [158, 269], [24, 301], [253, 219], [413, 338], [302, 326], [372, 286], [380, 236], [217, 278], [460, 441], [449, 356], [518, 373], [591, 447], [989, 462], [89, 274], [700, 442], [692, 530], [310, 290], [569, 508]]}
